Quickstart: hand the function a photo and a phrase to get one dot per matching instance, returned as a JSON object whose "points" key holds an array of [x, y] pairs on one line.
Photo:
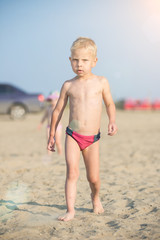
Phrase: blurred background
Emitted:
{"points": [[36, 37]]}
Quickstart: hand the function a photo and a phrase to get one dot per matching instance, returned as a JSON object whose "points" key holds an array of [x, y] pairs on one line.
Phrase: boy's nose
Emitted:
{"points": [[79, 63]]}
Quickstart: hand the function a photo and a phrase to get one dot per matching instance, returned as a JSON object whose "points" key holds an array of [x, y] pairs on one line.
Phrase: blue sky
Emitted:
{"points": [[36, 36]]}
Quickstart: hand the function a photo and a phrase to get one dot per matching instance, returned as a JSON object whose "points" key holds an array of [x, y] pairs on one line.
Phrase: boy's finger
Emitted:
{"points": [[51, 147], [112, 131], [109, 130]]}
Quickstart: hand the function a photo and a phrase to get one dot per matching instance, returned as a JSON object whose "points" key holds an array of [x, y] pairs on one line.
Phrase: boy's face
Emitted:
{"points": [[82, 61]]}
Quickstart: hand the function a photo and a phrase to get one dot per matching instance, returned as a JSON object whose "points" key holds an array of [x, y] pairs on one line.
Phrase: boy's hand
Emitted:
{"points": [[112, 129], [51, 144]]}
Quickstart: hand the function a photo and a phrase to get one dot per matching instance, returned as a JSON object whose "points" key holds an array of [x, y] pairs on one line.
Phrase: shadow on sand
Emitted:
{"points": [[13, 206]]}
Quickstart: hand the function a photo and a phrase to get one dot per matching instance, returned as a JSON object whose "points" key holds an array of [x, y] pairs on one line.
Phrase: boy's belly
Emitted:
{"points": [[90, 126]]}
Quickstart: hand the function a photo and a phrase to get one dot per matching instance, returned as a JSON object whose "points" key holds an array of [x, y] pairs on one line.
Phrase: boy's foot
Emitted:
{"points": [[67, 217], [97, 205]]}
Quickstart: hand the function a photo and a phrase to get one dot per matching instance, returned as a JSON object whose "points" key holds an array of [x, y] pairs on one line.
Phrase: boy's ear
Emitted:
{"points": [[70, 59], [95, 61]]}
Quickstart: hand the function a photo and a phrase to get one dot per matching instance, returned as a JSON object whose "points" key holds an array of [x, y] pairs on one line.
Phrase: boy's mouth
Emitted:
{"points": [[80, 71]]}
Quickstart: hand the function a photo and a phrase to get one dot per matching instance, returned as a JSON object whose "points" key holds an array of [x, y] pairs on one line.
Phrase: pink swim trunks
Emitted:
{"points": [[83, 141]]}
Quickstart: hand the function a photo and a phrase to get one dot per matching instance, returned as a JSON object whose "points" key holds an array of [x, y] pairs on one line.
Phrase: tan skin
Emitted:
{"points": [[85, 93]]}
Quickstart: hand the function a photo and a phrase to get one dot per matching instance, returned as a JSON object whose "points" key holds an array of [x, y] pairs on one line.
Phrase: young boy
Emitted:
{"points": [[85, 93]]}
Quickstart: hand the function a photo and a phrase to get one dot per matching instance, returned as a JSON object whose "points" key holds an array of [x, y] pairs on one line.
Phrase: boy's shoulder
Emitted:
{"points": [[101, 79], [66, 85], [68, 82]]}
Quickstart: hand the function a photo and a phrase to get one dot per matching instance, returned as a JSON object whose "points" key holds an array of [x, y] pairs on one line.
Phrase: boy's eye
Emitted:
{"points": [[85, 60]]}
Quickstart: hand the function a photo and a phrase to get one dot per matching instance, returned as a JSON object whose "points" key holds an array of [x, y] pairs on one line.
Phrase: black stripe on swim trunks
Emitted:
{"points": [[69, 131], [97, 137]]}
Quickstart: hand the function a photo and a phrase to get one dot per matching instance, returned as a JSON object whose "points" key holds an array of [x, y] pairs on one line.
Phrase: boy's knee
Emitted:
{"points": [[93, 179], [73, 175]]}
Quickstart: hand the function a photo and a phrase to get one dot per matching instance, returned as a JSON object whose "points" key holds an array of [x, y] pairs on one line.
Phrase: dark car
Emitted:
{"points": [[17, 103]]}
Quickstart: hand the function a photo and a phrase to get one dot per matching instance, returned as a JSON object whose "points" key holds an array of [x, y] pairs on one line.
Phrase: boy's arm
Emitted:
{"points": [[110, 108], [56, 116]]}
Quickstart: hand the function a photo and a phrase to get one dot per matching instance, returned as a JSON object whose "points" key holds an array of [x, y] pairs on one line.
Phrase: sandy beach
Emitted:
{"points": [[32, 183]]}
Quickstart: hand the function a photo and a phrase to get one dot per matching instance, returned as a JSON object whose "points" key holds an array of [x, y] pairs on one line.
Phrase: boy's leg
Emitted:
{"points": [[72, 154], [91, 160]]}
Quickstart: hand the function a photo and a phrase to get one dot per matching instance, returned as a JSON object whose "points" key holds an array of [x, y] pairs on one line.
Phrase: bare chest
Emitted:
{"points": [[85, 92]]}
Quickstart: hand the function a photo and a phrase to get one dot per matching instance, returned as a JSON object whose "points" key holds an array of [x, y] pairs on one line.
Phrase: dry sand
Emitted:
{"points": [[32, 185]]}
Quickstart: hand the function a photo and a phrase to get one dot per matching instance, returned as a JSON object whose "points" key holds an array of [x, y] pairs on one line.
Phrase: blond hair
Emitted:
{"points": [[83, 42]]}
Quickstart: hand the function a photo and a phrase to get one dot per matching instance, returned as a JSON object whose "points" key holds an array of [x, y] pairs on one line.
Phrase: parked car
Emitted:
{"points": [[17, 102]]}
